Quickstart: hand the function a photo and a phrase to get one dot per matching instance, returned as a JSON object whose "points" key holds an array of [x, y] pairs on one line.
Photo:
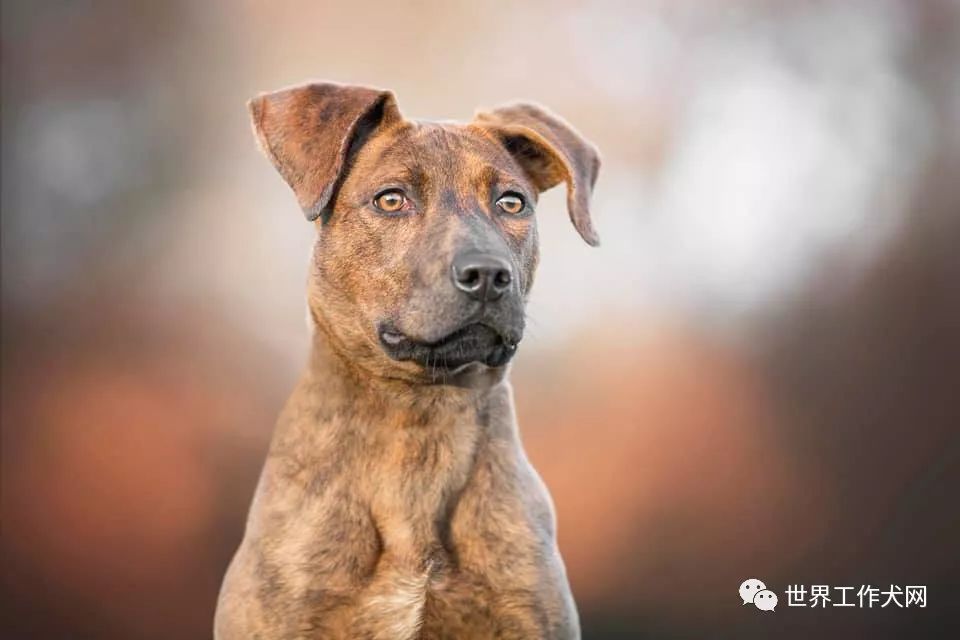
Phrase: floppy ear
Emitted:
{"points": [[310, 132], [550, 151]]}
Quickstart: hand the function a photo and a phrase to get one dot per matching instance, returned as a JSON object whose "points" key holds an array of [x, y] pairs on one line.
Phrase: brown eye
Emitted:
{"points": [[390, 201], [511, 203]]}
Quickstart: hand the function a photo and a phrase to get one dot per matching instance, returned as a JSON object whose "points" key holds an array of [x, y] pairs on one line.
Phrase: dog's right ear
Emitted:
{"points": [[310, 132]]}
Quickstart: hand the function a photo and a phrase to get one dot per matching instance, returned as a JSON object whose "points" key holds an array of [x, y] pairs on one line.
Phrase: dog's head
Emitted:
{"points": [[427, 240]]}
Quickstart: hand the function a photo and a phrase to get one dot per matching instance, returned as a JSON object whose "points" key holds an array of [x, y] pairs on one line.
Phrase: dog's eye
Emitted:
{"points": [[511, 203], [390, 201]]}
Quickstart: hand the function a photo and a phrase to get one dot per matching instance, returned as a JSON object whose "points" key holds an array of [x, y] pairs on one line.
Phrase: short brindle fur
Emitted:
{"points": [[396, 501]]}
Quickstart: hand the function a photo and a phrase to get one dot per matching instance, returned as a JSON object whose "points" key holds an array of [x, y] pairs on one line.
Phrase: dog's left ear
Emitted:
{"points": [[550, 151], [310, 131]]}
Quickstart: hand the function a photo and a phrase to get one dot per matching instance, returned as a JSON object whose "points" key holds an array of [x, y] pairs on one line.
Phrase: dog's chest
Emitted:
{"points": [[427, 533], [469, 578], [443, 602]]}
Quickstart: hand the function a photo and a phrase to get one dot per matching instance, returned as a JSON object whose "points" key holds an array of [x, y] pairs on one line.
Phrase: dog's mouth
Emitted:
{"points": [[470, 344]]}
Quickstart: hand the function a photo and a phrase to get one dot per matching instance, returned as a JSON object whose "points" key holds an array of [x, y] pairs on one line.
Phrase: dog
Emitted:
{"points": [[396, 501]]}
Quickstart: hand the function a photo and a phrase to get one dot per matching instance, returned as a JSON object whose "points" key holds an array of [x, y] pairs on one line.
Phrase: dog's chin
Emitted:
{"points": [[472, 346]]}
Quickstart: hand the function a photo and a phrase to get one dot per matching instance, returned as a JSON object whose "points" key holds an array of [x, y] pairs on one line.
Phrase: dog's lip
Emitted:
{"points": [[401, 346], [393, 337]]}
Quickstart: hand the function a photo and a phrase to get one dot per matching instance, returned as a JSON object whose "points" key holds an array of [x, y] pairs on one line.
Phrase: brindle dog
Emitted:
{"points": [[396, 501]]}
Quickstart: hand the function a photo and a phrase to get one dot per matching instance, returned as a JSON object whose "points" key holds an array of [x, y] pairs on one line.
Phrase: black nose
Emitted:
{"points": [[482, 276]]}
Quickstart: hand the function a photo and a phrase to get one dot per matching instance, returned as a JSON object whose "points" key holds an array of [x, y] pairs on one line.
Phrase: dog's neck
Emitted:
{"points": [[408, 449]]}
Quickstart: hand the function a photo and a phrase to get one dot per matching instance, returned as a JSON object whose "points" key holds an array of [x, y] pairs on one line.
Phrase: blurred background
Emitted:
{"points": [[756, 375]]}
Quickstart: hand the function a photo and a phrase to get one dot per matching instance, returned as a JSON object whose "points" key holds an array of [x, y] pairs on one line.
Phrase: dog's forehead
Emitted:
{"points": [[448, 148]]}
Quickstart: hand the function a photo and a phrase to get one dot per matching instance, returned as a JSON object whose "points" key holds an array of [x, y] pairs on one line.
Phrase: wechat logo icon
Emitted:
{"points": [[755, 591]]}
